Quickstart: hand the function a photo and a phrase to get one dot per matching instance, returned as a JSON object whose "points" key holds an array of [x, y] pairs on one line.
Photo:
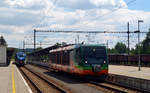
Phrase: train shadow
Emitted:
{"points": [[68, 78]]}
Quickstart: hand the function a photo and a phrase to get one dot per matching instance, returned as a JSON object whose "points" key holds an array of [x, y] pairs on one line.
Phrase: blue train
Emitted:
{"points": [[20, 59]]}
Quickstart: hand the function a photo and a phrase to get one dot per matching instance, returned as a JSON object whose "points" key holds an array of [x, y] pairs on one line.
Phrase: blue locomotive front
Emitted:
{"points": [[20, 58]]}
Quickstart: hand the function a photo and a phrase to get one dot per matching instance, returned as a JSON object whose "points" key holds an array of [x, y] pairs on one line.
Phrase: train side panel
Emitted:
{"points": [[58, 62]]}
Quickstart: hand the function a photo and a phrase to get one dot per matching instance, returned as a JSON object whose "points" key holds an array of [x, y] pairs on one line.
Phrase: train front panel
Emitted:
{"points": [[90, 60], [20, 58]]}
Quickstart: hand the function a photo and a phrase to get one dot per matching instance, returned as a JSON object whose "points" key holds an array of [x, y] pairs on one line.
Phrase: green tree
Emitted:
{"points": [[39, 48], [120, 48], [64, 43], [14, 53], [60, 44], [146, 44], [57, 44], [113, 50], [135, 51]]}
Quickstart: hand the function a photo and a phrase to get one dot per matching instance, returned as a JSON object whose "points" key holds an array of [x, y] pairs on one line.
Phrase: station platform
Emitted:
{"points": [[11, 80], [130, 71]]}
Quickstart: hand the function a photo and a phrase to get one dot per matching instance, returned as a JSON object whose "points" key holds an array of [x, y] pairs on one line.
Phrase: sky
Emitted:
{"points": [[140, 5], [18, 18]]}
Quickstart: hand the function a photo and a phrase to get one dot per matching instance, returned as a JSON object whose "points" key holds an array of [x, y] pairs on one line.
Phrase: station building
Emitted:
{"points": [[3, 52]]}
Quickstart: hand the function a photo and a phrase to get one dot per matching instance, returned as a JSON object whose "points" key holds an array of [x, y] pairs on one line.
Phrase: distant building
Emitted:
{"points": [[29, 50], [3, 51]]}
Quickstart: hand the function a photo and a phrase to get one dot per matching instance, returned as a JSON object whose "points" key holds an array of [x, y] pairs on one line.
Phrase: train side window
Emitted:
{"points": [[54, 58], [64, 57], [58, 57], [68, 57]]}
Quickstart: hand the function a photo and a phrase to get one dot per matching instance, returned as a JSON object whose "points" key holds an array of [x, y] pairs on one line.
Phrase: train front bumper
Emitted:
{"points": [[90, 72]]}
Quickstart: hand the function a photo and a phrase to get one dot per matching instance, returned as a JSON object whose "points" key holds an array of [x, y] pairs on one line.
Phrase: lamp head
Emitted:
{"points": [[140, 21]]}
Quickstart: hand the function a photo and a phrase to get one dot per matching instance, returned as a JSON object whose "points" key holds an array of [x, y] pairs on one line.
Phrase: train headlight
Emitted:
{"points": [[86, 62], [104, 62]]}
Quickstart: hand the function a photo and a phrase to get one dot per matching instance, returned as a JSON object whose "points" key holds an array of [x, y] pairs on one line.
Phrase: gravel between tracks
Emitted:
{"points": [[66, 83], [46, 88], [29, 83]]}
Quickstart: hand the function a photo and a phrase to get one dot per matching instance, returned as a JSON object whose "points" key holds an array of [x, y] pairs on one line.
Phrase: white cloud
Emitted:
{"points": [[90, 4], [18, 17], [14, 29], [109, 3], [25, 3]]}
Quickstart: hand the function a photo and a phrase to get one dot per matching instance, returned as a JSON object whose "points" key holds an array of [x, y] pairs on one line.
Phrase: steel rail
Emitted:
{"points": [[107, 87], [106, 82], [47, 81], [34, 85], [94, 83]]}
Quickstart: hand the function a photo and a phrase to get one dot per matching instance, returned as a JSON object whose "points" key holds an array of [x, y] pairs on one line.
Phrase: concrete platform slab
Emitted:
{"points": [[11, 81], [130, 71]]}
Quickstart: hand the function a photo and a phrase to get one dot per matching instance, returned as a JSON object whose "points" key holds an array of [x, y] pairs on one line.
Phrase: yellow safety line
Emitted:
{"points": [[13, 81]]}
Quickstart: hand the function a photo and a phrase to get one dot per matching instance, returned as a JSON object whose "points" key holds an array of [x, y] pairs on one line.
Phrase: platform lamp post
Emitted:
{"points": [[138, 31]]}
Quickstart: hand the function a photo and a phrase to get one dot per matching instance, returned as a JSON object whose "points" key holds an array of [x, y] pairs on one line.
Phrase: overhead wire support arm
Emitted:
{"points": [[59, 31], [71, 31]]}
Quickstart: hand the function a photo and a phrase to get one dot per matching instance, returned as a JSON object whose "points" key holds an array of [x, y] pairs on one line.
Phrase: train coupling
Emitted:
{"points": [[96, 68]]}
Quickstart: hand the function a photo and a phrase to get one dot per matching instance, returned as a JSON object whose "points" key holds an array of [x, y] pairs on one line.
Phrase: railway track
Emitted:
{"points": [[106, 86], [38, 83]]}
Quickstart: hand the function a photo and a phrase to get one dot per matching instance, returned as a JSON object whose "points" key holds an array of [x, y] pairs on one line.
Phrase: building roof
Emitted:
{"points": [[2, 41]]}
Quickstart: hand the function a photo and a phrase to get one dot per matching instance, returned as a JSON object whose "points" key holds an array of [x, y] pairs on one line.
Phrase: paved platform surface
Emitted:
{"points": [[11, 81], [130, 71]]}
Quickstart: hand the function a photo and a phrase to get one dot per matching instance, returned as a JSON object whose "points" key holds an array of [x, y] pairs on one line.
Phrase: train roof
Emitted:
{"points": [[70, 47], [59, 48], [46, 50]]}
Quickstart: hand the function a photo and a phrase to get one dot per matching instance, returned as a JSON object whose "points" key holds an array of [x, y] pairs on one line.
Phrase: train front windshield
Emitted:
{"points": [[21, 55], [94, 55]]}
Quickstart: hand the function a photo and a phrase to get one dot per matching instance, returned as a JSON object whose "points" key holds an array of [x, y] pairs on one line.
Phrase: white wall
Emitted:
{"points": [[3, 52]]}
